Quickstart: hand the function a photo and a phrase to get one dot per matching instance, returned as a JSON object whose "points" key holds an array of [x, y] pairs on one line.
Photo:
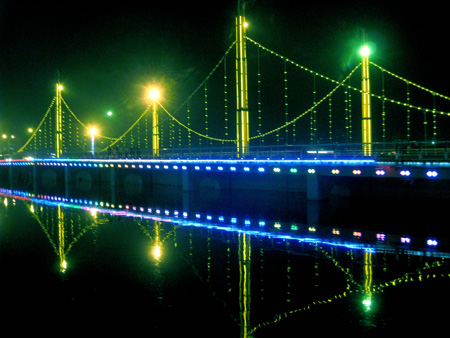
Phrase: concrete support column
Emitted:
{"points": [[66, 181], [313, 192], [10, 176], [35, 178], [186, 182], [113, 184]]}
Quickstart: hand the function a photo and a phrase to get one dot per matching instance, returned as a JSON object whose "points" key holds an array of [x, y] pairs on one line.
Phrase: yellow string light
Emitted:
{"points": [[36, 130], [260, 133]]}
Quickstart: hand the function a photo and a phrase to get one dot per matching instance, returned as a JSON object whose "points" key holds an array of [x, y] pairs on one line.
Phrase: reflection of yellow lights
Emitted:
{"points": [[156, 252], [63, 266], [32, 208], [5, 202]]}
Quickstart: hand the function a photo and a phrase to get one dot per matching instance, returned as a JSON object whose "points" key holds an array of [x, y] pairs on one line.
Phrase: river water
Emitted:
{"points": [[210, 265]]}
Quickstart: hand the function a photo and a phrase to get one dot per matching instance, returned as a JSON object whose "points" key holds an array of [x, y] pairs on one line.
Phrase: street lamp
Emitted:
{"points": [[93, 131], [153, 94], [8, 147], [364, 51]]}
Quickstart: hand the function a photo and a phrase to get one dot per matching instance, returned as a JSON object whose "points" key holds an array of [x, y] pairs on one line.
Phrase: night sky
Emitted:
{"points": [[106, 53]]}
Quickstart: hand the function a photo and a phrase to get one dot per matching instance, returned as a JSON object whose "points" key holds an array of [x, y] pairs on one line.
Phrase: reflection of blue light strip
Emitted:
{"points": [[232, 225]]}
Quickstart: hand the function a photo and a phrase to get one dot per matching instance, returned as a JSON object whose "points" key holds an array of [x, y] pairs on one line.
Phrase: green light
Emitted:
{"points": [[364, 51], [109, 113]]}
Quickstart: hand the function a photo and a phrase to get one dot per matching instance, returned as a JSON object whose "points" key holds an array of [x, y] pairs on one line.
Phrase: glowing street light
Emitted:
{"points": [[153, 94], [364, 51], [93, 131]]}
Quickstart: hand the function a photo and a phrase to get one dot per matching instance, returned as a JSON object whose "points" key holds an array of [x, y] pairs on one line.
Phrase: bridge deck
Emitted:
{"points": [[330, 167]]}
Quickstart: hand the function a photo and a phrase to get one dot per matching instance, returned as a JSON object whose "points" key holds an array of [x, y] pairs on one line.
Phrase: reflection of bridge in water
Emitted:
{"points": [[263, 272]]}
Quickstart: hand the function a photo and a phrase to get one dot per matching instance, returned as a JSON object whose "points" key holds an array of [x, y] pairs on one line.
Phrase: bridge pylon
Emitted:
{"points": [[154, 96], [366, 108], [58, 130], [242, 122]]}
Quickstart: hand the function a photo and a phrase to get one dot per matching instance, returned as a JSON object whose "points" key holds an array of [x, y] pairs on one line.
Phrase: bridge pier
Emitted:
{"points": [[186, 181], [313, 191]]}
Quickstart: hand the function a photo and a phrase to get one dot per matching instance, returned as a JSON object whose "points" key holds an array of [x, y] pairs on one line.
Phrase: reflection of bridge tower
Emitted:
{"points": [[64, 227], [367, 280], [62, 242], [241, 85], [244, 282]]}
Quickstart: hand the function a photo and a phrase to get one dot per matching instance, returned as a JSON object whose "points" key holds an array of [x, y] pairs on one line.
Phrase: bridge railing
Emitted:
{"points": [[394, 151]]}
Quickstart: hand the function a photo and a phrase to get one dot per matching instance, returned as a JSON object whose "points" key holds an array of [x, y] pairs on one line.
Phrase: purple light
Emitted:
{"points": [[380, 172], [405, 240], [381, 237]]}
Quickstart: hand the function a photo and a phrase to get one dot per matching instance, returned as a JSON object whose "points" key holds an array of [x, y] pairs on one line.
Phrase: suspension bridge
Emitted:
{"points": [[281, 118], [279, 108]]}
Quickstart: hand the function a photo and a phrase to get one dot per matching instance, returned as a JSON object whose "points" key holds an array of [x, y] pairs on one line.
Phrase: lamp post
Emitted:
{"points": [[154, 96], [8, 147], [93, 131], [366, 114]]}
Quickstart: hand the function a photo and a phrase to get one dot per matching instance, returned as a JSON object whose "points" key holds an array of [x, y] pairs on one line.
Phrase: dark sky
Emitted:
{"points": [[106, 52]]}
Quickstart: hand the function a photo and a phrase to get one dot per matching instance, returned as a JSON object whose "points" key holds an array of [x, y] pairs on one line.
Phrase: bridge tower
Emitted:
{"points": [[154, 96], [241, 84], [366, 109], [58, 130]]}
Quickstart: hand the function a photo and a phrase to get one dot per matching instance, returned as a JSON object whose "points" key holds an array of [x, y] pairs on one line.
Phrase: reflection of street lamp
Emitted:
{"points": [[157, 245], [156, 252], [154, 96], [93, 131]]}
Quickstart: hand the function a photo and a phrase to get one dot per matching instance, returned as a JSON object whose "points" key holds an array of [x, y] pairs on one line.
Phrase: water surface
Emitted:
{"points": [[178, 266]]}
